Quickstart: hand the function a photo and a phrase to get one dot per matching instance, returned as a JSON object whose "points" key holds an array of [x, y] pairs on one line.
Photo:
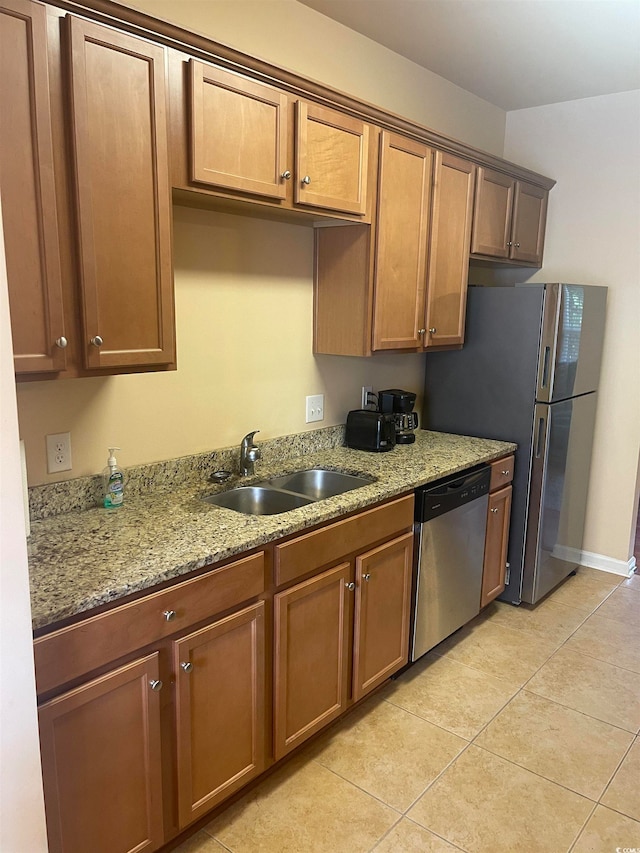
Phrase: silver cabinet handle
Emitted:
{"points": [[366, 576], [169, 615], [155, 685], [62, 342], [517, 245], [286, 174], [187, 666], [306, 180], [97, 341], [509, 244], [433, 330], [506, 473], [349, 585], [421, 331], [494, 509]]}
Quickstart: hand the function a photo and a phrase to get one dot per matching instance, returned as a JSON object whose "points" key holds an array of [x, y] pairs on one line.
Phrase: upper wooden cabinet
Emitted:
{"points": [[243, 140], [28, 191], [332, 152], [239, 132], [123, 197], [402, 230], [403, 286], [509, 218], [453, 187]]}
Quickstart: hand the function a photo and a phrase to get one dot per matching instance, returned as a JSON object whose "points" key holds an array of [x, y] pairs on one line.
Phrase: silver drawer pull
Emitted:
{"points": [[350, 586], [366, 576], [169, 615], [306, 180], [155, 685], [506, 473], [61, 342], [494, 509], [186, 665], [97, 341]]}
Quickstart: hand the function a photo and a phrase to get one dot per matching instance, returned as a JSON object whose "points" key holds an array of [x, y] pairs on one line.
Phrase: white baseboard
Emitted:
{"points": [[596, 561], [608, 564]]}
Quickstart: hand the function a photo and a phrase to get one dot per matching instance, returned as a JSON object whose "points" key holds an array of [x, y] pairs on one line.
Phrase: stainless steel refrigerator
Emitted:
{"points": [[528, 373]]}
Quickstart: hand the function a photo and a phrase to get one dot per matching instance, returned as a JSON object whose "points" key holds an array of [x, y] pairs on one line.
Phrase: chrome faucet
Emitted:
{"points": [[249, 454]]}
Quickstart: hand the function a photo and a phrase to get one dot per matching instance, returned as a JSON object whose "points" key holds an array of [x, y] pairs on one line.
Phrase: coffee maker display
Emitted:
{"points": [[400, 404]]}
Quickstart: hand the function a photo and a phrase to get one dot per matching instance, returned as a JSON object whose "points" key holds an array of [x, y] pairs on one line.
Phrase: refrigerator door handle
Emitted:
{"points": [[545, 367], [541, 434]]}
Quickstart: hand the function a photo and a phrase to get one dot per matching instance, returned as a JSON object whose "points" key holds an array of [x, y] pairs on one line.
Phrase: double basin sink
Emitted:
{"points": [[291, 491]]}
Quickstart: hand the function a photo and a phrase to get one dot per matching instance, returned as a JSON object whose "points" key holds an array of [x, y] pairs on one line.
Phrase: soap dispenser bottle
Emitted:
{"points": [[113, 482]]}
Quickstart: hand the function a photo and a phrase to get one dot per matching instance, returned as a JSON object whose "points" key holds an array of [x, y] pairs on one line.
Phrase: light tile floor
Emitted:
{"points": [[519, 733]]}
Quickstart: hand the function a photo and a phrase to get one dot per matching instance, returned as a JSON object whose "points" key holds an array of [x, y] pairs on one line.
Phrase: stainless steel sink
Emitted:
{"points": [[317, 483], [258, 500], [291, 491]]}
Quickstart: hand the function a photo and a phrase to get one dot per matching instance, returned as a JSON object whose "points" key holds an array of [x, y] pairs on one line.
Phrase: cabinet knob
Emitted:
{"points": [[169, 615], [350, 585], [286, 174], [506, 473], [306, 180], [366, 576], [433, 330], [186, 665], [509, 244], [97, 341], [62, 342], [494, 509], [155, 685], [421, 331], [517, 245]]}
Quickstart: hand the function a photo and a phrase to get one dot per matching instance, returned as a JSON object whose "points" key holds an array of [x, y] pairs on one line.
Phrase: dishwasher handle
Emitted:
{"points": [[452, 492]]}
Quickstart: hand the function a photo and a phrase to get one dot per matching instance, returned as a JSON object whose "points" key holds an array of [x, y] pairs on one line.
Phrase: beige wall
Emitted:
{"points": [[300, 39], [591, 147], [244, 286]]}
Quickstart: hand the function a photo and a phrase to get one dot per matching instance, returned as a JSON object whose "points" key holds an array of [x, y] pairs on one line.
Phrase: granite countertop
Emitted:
{"points": [[81, 560]]}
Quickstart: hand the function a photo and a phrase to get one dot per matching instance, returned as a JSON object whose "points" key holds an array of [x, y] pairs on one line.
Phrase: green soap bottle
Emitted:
{"points": [[113, 482]]}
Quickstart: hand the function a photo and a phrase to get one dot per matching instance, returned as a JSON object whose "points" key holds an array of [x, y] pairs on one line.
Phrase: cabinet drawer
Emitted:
{"points": [[80, 648], [501, 472], [306, 553]]}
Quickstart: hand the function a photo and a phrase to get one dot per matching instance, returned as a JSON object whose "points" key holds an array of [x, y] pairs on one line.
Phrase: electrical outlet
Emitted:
{"points": [[59, 452], [315, 408], [366, 390]]}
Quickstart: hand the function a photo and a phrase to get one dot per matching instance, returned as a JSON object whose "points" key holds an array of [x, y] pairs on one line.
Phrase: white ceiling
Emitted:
{"points": [[512, 53]]}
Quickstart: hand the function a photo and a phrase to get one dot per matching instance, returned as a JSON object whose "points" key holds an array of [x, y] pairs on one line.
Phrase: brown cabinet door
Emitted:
{"points": [[312, 645], [451, 218], [404, 191], [101, 765], [496, 542], [123, 197], [332, 152], [493, 207], [383, 597], [220, 710], [529, 221], [239, 132], [28, 190]]}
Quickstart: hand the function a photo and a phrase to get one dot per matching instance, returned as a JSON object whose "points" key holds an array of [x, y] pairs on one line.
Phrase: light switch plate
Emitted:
{"points": [[315, 408]]}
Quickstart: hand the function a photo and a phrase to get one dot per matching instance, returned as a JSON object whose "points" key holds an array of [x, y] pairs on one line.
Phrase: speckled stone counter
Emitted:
{"points": [[81, 560]]}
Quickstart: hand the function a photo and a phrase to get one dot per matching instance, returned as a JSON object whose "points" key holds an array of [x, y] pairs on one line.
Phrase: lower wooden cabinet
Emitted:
{"points": [[312, 643], [496, 542], [220, 710], [383, 593], [326, 624], [101, 761]]}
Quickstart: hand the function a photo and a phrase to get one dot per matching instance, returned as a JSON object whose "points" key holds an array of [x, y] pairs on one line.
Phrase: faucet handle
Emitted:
{"points": [[248, 439]]}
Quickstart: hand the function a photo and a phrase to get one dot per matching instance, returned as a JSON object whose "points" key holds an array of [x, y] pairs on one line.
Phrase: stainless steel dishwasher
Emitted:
{"points": [[450, 527]]}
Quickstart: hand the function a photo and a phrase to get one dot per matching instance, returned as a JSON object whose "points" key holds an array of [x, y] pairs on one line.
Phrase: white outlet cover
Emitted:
{"points": [[315, 408], [59, 452]]}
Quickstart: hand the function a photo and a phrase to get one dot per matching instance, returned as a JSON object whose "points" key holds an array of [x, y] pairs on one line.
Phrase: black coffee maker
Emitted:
{"points": [[401, 404]]}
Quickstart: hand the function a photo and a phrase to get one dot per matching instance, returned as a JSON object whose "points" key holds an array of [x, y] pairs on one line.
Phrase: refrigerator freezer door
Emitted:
{"points": [[571, 344], [562, 442]]}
